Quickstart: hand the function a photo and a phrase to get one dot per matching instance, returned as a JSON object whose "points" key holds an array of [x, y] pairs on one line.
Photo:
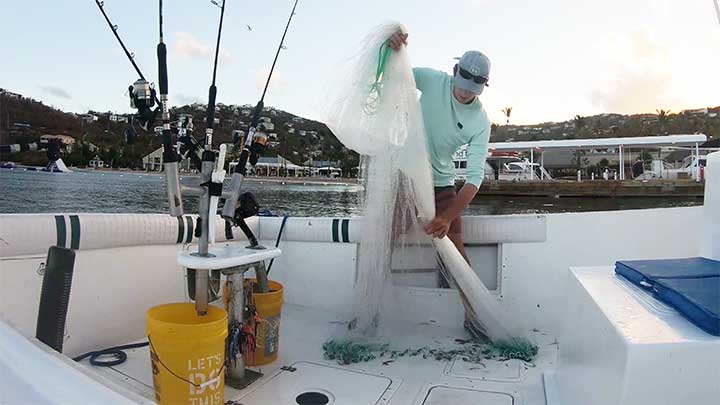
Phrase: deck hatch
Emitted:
{"points": [[337, 384]]}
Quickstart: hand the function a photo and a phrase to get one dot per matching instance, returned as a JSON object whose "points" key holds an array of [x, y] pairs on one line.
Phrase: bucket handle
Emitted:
{"points": [[211, 381]]}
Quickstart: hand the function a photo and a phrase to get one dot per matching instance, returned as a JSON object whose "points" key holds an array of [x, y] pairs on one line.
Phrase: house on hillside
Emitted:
{"points": [[117, 118], [298, 120], [67, 143], [89, 117], [153, 162]]}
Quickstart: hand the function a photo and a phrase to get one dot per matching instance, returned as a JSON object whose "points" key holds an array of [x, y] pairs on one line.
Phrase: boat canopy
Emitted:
{"points": [[639, 141]]}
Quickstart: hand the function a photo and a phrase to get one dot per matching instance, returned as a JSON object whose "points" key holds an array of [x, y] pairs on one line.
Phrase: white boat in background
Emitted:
{"points": [[602, 341], [690, 166]]}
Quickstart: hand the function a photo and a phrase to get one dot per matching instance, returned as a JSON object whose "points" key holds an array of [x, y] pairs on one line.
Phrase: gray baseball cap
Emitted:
{"points": [[473, 72]]}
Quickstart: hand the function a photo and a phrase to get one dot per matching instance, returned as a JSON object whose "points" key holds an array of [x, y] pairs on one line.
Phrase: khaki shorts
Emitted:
{"points": [[444, 198]]}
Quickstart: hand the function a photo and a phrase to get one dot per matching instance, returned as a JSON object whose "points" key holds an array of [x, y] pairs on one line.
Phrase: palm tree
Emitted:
{"points": [[663, 118], [580, 123], [507, 111]]}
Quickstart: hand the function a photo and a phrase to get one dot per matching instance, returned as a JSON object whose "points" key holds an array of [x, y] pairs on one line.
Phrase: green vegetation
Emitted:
{"points": [[302, 141], [348, 352], [706, 121]]}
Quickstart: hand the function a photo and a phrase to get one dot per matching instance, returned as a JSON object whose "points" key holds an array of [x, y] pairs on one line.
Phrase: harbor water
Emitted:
{"points": [[125, 192]]}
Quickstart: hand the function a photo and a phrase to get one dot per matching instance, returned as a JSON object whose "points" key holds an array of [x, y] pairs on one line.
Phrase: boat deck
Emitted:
{"points": [[301, 368]]}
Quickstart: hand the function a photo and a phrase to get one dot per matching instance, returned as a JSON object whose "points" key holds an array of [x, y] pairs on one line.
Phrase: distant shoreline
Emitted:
{"points": [[272, 179]]}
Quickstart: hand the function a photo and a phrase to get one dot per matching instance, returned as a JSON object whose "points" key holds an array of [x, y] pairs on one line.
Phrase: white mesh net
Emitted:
{"points": [[377, 114]]}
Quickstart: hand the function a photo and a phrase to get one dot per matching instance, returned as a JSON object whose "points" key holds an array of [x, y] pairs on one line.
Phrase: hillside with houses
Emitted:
{"points": [[100, 136], [702, 120]]}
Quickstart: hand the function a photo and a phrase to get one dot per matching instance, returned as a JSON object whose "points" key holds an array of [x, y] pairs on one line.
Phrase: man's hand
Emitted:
{"points": [[438, 227], [397, 40]]}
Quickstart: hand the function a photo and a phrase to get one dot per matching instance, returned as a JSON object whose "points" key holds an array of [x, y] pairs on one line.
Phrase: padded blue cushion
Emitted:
{"points": [[696, 298], [692, 286], [644, 273]]}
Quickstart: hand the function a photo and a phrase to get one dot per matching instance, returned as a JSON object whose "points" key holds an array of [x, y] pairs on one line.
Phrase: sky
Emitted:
{"points": [[550, 59]]}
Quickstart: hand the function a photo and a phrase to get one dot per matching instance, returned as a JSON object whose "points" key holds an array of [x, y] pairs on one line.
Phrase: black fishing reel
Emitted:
{"points": [[188, 146], [246, 208], [142, 98]]}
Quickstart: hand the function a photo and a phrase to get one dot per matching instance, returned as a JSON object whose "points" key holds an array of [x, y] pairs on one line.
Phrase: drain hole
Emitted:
{"points": [[312, 398]]}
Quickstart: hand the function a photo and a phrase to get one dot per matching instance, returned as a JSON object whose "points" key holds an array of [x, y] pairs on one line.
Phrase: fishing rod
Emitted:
{"points": [[170, 156], [211, 179], [209, 122], [142, 94], [252, 146]]}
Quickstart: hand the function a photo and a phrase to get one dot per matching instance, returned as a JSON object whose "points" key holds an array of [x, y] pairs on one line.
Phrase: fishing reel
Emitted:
{"points": [[142, 98], [188, 146], [247, 207]]}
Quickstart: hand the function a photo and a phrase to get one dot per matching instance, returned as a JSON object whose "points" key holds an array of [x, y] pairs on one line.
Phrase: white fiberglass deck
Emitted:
{"points": [[405, 380]]}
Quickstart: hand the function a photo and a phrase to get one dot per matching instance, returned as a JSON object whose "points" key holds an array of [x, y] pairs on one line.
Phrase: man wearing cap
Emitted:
{"points": [[453, 117]]}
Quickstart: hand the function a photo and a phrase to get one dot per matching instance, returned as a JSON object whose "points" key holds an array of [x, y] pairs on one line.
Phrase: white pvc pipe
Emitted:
{"points": [[710, 238], [697, 162], [622, 164], [532, 161]]}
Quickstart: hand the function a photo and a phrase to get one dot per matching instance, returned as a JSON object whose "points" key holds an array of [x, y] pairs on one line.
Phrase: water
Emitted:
{"points": [[112, 192]]}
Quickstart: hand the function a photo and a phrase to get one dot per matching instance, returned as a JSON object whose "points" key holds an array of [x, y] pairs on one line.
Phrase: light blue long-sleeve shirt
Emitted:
{"points": [[449, 125]]}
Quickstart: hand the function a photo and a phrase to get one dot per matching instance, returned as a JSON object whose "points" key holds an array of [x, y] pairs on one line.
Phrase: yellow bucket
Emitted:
{"points": [[267, 338], [187, 354]]}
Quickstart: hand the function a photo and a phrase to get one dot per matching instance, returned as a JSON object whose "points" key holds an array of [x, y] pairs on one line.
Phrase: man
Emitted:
{"points": [[453, 117]]}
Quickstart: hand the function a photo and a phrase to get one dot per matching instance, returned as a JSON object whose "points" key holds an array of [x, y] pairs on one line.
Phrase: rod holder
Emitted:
{"points": [[172, 184], [231, 202]]}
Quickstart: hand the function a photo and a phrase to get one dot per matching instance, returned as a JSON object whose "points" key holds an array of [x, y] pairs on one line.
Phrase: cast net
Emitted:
{"points": [[377, 114]]}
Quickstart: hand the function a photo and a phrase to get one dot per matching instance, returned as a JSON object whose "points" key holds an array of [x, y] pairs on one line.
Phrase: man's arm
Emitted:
{"points": [[477, 153], [440, 225]]}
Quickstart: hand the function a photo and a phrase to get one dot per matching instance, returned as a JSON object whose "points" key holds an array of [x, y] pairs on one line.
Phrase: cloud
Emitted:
{"points": [[187, 46], [638, 75], [56, 91], [277, 82]]}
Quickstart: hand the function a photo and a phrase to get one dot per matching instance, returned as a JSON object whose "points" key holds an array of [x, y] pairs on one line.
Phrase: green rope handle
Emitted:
{"points": [[373, 98], [383, 55]]}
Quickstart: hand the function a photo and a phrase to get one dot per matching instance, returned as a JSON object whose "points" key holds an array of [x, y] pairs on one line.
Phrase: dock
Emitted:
{"points": [[594, 188]]}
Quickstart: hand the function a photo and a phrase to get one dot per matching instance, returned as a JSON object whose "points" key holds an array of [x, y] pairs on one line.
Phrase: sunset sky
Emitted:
{"points": [[550, 59]]}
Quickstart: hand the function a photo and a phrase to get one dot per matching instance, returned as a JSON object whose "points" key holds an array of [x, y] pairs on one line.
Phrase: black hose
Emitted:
{"points": [[117, 351]]}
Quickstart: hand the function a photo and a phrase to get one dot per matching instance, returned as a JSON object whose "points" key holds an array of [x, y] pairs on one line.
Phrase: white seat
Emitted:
{"points": [[621, 346]]}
